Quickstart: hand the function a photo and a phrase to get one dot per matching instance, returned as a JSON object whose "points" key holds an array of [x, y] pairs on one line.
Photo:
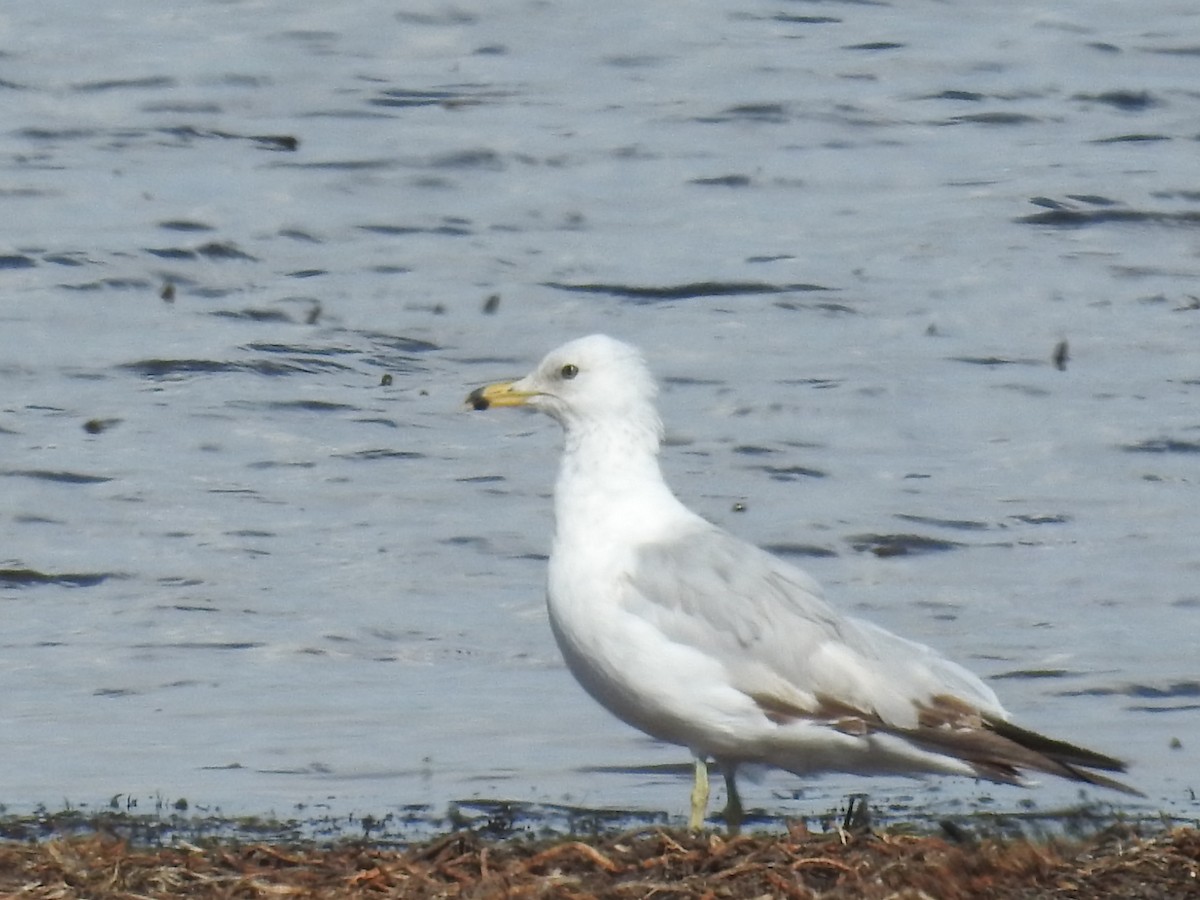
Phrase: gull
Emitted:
{"points": [[700, 639]]}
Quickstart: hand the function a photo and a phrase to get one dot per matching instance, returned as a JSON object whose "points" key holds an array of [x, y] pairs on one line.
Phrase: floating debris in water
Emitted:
{"points": [[687, 291], [1060, 356], [97, 426], [900, 544], [1069, 215], [19, 578]]}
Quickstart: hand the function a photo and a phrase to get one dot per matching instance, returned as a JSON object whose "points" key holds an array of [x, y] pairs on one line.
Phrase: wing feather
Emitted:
{"points": [[769, 625]]}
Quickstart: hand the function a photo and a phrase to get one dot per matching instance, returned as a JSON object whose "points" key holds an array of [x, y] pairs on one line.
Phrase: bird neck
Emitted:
{"points": [[613, 470]]}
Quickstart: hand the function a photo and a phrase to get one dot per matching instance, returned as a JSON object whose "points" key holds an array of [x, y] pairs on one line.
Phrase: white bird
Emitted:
{"points": [[697, 638]]}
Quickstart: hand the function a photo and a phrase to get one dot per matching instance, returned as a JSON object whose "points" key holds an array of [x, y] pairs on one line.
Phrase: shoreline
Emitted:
{"points": [[1086, 853]]}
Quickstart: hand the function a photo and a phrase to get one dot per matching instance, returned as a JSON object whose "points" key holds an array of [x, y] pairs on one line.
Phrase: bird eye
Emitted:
{"points": [[569, 371]]}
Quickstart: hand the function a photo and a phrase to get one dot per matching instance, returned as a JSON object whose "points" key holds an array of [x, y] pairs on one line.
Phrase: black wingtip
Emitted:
{"points": [[1059, 751], [1104, 781], [1071, 760]]}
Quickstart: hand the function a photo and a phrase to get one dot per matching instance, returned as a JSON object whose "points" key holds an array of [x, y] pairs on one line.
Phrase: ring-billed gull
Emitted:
{"points": [[700, 639]]}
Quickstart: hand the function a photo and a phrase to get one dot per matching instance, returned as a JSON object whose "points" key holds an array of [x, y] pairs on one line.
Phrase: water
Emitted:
{"points": [[240, 571]]}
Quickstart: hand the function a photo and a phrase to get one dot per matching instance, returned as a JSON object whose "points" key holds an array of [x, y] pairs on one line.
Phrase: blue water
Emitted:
{"points": [[239, 570]]}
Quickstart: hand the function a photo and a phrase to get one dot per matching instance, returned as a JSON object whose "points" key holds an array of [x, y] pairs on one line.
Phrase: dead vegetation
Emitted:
{"points": [[649, 862]]}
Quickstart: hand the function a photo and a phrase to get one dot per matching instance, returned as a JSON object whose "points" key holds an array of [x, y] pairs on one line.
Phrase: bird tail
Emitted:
{"points": [[1055, 757]]}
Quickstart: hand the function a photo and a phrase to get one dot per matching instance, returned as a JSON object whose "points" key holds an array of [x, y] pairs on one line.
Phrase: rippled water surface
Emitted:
{"points": [[920, 281]]}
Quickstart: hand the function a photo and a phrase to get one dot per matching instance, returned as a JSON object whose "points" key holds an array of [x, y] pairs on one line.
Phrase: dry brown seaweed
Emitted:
{"points": [[654, 863]]}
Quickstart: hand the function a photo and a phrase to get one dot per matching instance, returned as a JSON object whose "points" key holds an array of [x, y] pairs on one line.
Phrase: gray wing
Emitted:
{"points": [[782, 644]]}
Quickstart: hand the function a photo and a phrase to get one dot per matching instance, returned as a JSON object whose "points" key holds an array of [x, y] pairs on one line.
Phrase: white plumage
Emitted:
{"points": [[700, 639]]}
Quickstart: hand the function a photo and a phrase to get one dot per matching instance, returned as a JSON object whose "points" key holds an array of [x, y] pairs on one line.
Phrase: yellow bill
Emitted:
{"points": [[502, 393]]}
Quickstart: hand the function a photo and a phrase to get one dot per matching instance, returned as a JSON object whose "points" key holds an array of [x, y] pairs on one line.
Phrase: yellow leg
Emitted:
{"points": [[699, 796]]}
